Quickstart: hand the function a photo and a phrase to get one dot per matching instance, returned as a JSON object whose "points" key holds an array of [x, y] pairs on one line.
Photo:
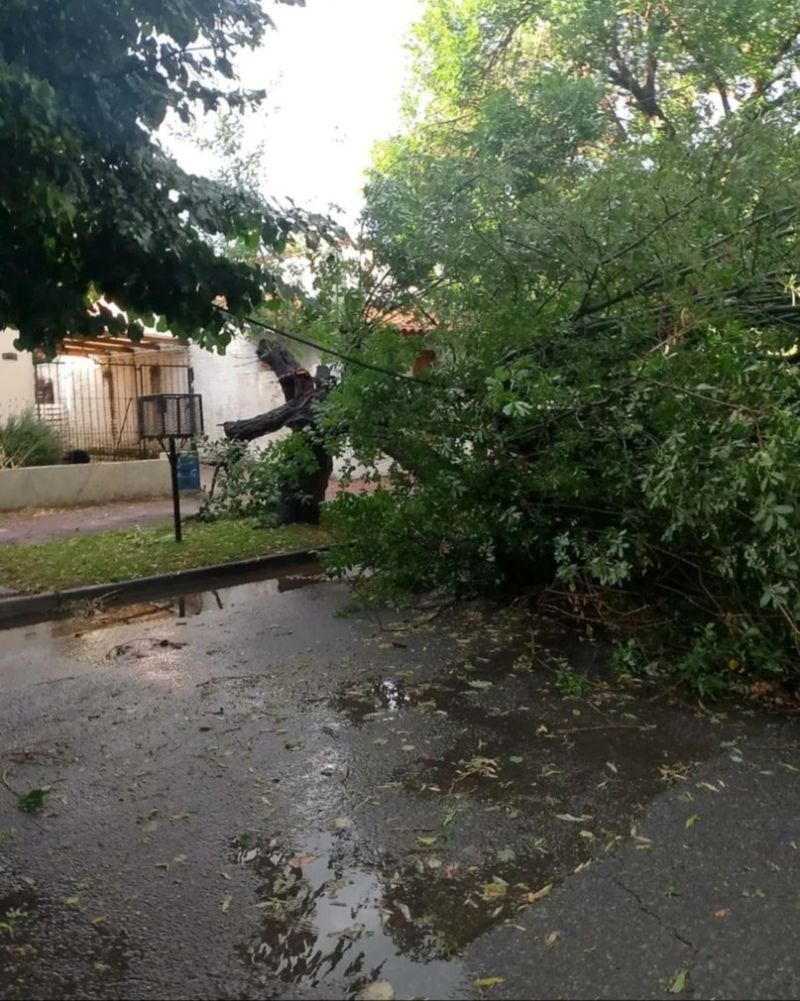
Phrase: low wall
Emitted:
{"points": [[89, 483]]}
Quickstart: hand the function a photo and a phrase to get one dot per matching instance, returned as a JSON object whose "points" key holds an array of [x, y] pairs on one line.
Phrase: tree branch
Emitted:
{"points": [[294, 414], [644, 95]]}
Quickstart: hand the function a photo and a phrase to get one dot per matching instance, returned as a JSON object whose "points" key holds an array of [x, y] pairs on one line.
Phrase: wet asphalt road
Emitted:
{"points": [[253, 796]]}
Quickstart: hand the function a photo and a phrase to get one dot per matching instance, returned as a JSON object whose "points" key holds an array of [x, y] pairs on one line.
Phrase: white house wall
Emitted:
{"points": [[17, 392], [235, 386]]}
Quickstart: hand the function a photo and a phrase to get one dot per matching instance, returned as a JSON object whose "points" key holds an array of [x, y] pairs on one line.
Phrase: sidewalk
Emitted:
{"points": [[27, 526], [18, 527]]}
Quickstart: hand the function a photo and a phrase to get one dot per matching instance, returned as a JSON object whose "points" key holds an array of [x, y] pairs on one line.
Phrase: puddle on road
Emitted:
{"points": [[519, 784], [82, 617], [327, 921], [387, 698]]}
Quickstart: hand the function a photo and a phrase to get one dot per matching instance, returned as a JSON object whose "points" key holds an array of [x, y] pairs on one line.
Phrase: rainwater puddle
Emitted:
{"points": [[164, 601], [96, 633], [327, 921], [375, 700]]}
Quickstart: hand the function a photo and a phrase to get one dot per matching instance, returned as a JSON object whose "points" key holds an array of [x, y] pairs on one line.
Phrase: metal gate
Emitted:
{"points": [[90, 403]]}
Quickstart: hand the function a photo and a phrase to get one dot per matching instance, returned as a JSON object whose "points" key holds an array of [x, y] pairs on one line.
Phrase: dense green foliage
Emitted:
{"points": [[252, 480], [597, 205], [26, 441], [90, 203]]}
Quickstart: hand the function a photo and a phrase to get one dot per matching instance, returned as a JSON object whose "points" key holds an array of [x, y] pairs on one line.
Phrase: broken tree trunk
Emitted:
{"points": [[303, 393]]}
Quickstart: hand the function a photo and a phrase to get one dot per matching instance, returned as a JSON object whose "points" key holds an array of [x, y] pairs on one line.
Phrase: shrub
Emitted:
{"points": [[26, 441]]}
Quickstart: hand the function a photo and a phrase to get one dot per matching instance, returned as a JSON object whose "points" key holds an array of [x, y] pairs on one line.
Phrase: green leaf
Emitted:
{"points": [[33, 800], [678, 983]]}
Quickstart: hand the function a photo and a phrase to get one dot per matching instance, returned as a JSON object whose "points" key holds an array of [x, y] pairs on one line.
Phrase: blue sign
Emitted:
{"points": [[188, 472]]}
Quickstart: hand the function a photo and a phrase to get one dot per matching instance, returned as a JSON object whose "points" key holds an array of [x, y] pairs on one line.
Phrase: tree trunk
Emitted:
{"points": [[302, 392]]}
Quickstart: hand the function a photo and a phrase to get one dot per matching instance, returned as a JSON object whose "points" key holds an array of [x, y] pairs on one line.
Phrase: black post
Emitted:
{"points": [[176, 499]]}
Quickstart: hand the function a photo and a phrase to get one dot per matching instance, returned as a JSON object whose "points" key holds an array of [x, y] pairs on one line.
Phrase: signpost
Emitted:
{"points": [[169, 418]]}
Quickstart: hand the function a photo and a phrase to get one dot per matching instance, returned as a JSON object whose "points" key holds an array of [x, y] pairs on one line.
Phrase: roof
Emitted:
{"points": [[409, 324], [84, 347]]}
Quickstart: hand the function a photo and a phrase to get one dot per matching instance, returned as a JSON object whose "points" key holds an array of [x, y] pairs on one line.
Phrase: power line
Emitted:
{"points": [[330, 351]]}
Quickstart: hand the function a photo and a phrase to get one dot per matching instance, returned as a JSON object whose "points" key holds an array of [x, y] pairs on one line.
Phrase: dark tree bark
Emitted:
{"points": [[303, 393], [296, 414]]}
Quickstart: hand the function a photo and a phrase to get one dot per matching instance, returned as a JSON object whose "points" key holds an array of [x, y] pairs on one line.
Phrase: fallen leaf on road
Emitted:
{"points": [[381, 990], [574, 820], [479, 685], [426, 842], [343, 823], [678, 983], [404, 910], [506, 855], [225, 903], [721, 913], [33, 800], [494, 891], [538, 894], [692, 820], [483, 982], [552, 938], [300, 860]]}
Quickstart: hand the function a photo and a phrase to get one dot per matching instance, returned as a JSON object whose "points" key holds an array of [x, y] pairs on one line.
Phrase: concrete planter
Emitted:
{"points": [[78, 485]]}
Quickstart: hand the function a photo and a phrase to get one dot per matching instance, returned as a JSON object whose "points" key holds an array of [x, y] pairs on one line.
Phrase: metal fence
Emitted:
{"points": [[91, 404]]}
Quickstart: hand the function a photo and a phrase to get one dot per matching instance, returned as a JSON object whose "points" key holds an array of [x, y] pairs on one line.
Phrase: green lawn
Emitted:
{"points": [[112, 556]]}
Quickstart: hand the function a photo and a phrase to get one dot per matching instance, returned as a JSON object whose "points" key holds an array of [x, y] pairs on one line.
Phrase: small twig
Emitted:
{"points": [[230, 677], [607, 726], [422, 621]]}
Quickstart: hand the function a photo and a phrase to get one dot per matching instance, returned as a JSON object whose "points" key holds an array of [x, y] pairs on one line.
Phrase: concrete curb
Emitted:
{"points": [[46, 604]]}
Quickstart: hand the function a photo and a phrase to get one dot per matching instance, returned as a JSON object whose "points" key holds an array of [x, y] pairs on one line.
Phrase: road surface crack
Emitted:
{"points": [[657, 917]]}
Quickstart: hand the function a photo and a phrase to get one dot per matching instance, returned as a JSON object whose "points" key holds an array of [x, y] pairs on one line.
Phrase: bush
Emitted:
{"points": [[251, 482], [26, 441]]}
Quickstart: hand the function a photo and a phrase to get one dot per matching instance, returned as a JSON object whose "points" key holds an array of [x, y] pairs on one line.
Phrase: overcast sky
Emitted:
{"points": [[334, 71]]}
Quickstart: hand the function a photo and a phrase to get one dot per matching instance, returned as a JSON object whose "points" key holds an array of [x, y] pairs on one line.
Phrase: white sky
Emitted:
{"points": [[334, 71]]}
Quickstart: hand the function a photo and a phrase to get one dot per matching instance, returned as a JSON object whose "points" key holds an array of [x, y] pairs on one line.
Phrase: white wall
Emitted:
{"points": [[90, 483], [17, 392], [234, 386]]}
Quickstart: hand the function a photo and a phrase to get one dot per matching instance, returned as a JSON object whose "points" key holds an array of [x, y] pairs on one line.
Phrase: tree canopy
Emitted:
{"points": [[90, 203], [596, 206]]}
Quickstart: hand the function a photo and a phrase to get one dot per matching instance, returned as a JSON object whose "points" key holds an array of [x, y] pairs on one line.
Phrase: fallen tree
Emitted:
{"points": [[303, 491]]}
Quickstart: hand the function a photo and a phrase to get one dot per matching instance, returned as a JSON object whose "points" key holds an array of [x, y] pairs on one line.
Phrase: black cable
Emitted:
{"points": [[330, 351]]}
